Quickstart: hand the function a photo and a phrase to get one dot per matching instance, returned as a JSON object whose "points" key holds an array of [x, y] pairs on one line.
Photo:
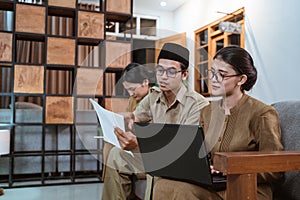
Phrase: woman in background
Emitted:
{"points": [[137, 81]]}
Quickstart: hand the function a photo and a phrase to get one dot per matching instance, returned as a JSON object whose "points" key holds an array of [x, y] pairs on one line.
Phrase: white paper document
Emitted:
{"points": [[109, 120]]}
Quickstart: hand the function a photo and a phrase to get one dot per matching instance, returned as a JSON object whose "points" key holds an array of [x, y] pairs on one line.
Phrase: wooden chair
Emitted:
{"points": [[242, 167]]}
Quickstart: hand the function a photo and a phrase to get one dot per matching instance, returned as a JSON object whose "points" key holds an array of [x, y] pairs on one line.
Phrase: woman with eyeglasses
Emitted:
{"points": [[238, 122]]}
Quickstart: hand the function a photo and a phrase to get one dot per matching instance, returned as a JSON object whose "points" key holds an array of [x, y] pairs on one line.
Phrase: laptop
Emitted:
{"points": [[176, 151]]}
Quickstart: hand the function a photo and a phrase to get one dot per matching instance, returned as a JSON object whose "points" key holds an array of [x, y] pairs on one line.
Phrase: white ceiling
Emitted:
{"points": [[155, 4]]}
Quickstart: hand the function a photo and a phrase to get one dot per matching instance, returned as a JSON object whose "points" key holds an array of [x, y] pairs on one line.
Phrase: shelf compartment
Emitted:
{"points": [[118, 54], [61, 51], [7, 5], [118, 10], [90, 25], [59, 81], [91, 6], [28, 111], [58, 140], [116, 104], [23, 165], [29, 79], [89, 81], [6, 111], [59, 110], [30, 19], [118, 6], [5, 47], [57, 165], [28, 139], [60, 11], [6, 19], [89, 56], [64, 3], [29, 51], [60, 26]]}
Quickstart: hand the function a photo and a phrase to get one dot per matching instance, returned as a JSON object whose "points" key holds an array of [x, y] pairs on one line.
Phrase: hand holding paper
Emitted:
{"points": [[108, 121], [112, 123]]}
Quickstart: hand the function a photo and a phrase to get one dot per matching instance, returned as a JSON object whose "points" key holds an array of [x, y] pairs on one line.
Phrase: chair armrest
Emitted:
{"points": [[242, 167]]}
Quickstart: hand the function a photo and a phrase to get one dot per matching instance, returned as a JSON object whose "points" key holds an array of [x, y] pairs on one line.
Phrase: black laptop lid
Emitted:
{"points": [[174, 151]]}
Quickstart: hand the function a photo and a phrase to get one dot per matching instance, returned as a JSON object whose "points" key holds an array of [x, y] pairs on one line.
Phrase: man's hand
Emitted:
{"points": [[127, 140], [213, 171], [128, 120]]}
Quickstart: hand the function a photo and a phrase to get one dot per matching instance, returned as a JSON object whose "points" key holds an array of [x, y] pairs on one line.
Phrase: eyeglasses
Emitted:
{"points": [[170, 72], [219, 77]]}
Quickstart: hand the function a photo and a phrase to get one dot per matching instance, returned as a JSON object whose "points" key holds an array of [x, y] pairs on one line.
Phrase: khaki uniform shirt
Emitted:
{"points": [[184, 110], [251, 126], [132, 104]]}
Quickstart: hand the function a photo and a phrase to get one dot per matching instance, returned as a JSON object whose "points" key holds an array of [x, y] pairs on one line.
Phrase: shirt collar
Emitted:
{"points": [[179, 97]]}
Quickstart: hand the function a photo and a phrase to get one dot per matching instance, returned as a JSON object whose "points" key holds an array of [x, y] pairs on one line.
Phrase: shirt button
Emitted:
{"points": [[220, 138]]}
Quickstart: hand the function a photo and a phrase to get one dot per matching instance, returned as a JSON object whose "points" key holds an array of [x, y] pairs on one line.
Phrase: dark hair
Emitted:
{"points": [[242, 63], [137, 73], [176, 52]]}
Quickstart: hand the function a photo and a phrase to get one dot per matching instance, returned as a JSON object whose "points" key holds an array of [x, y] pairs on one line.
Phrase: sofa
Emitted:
{"points": [[289, 117], [241, 172]]}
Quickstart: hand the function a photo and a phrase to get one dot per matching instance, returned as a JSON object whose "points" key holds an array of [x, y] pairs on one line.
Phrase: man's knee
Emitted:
{"points": [[117, 159]]}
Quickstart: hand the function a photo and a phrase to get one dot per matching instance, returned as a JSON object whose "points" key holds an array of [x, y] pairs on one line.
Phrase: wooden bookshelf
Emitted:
{"points": [[53, 59], [208, 40]]}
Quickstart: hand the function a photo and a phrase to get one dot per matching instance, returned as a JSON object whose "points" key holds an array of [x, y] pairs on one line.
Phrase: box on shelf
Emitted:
{"points": [[61, 51], [30, 19]]}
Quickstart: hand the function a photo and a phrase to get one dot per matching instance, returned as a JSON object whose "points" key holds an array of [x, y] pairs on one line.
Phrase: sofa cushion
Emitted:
{"points": [[289, 117]]}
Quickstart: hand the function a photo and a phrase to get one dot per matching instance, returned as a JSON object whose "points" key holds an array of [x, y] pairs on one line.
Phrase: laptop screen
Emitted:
{"points": [[174, 151]]}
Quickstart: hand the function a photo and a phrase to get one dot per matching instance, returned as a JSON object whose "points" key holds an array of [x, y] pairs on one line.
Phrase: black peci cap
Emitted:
{"points": [[175, 52]]}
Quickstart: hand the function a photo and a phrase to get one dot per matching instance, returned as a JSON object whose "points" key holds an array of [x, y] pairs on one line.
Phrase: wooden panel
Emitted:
{"points": [[59, 110], [90, 25], [30, 19], [5, 47], [116, 104], [62, 3], [118, 55], [29, 79], [242, 169], [61, 51], [119, 6], [275, 161], [241, 187], [177, 39], [89, 81]]}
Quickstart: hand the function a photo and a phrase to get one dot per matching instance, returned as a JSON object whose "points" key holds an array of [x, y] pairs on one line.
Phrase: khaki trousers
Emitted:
{"points": [[176, 190], [119, 175]]}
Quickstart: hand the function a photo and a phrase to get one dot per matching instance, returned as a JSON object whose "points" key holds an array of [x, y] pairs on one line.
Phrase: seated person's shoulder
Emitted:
{"points": [[155, 89], [197, 97], [259, 106]]}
